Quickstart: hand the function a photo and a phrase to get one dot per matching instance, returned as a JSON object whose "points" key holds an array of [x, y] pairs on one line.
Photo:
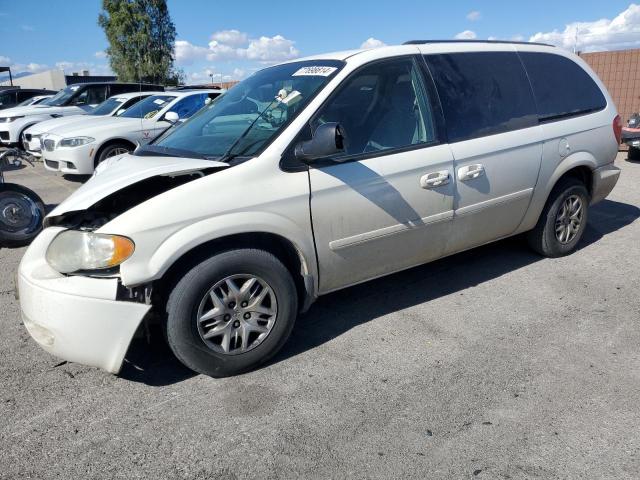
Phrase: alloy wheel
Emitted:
{"points": [[237, 314]]}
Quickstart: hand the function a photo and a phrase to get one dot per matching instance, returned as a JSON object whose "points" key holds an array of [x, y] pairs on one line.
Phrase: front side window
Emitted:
{"points": [[561, 87], [482, 93], [149, 107], [246, 118], [383, 106], [92, 95]]}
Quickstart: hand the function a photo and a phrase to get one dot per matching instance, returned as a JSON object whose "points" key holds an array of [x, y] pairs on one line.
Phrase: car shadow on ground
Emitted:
{"points": [[334, 314], [76, 178]]}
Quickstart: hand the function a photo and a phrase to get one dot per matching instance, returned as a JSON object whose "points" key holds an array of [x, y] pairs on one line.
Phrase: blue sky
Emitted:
{"points": [[232, 39]]}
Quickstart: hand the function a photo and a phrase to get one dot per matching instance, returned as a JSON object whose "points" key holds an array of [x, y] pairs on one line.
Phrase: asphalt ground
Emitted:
{"points": [[494, 363]]}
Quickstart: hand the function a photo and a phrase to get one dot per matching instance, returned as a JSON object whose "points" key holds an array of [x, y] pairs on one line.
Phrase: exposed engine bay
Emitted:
{"points": [[118, 202]]}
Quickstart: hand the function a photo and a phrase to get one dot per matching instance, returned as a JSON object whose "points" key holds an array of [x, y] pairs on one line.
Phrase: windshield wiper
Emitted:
{"points": [[227, 155]]}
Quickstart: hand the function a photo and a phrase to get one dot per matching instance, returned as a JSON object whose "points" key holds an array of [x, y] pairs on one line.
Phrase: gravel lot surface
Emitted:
{"points": [[493, 363]]}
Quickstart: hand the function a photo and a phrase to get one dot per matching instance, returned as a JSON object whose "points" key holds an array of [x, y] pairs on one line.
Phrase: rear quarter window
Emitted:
{"points": [[561, 87], [482, 93]]}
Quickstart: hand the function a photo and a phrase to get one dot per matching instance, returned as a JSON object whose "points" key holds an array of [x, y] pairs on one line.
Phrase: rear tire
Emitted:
{"points": [[633, 153], [200, 344], [562, 221]]}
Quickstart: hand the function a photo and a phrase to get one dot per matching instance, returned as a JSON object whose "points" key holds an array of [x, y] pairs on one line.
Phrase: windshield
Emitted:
{"points": [[108, 106], [62, 96], [148, 107], [242, 121], [28, 101]]}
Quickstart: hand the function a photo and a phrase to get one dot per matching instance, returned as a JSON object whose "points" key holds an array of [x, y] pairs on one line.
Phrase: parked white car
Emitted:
{"points": [[34, 100], [72, 100], [113, 106], [78, 148], [309, 177]]}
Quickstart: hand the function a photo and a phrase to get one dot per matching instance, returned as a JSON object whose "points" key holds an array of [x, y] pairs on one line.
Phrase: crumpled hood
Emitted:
{"points": [[44, 127], [120, 172]]}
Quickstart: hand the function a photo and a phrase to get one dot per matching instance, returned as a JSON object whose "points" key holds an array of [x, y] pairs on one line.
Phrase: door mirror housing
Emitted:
{"points": [[327, 140], [171, 117]]}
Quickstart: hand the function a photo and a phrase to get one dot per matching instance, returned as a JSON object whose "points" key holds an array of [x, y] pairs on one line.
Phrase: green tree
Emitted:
{"points": [[141, 37]]}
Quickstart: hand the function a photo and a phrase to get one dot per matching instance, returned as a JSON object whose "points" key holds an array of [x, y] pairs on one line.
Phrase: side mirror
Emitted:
{"points": [[328, 139], [171, 117]]}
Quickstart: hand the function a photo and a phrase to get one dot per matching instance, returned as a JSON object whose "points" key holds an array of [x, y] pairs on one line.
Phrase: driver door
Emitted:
{"points": [[386, 202]]}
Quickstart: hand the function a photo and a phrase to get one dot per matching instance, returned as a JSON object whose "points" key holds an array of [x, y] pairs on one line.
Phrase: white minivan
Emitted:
{"points": [[309, 177]]}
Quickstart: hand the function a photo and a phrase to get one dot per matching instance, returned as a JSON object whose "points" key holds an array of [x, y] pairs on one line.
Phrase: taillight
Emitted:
{"points": [[617, 128]]}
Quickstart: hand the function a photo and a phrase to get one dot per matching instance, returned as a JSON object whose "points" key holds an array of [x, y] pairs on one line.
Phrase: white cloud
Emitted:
{"points": [[4, 59], [474, 16], [186, 53], [77, 67], [209, 74], [269, 49], [236, 45], [466, 35], [233, 38], [604, 34], [29, 67], [100, 54], [238, 74], [372, 43]]}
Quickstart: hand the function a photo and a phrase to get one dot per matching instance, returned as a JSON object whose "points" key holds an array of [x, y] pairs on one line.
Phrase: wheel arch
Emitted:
{"points": [[282, 248], [110, 142], [580, 165]]}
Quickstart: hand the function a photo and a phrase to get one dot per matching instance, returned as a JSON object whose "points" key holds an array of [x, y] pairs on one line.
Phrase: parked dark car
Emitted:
{"points": [[13, 96], [631, 136]]}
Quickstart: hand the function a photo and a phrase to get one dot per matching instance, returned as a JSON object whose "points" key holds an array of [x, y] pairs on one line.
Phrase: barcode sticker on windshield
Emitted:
{"points": [[315, 71]]}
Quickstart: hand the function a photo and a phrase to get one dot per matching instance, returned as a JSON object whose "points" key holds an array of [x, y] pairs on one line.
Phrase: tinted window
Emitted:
{"points": [[22, 96], [561, 87], [381, 107], [482, 93], [8, 98]]}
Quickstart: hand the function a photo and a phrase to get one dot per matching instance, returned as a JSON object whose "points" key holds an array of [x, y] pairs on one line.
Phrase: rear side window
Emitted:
{"points": [[482, 93], [561, 87]]}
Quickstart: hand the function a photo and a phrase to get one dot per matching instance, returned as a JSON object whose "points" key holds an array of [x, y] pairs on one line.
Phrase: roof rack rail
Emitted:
{"points": [[421, 42]]}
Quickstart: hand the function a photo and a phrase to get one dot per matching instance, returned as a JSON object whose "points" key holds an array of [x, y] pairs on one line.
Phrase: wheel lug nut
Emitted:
{"points": [[227, 317], [243, 304], [236, 324], [232, 304], [247, 316]]}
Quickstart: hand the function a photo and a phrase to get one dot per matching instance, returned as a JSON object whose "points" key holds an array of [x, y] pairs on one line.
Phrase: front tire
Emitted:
{"points": [[21, 215], [231, 313], [112, 150], [563, 220]]}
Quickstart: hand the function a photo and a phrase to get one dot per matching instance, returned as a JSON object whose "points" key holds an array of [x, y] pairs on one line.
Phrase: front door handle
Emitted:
{"points": [[469, 172], [434, 179]]}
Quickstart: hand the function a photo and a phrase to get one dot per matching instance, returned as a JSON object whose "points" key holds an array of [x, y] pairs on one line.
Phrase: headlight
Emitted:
{"points": [[73, 250], [75, 141], [10, 119]]}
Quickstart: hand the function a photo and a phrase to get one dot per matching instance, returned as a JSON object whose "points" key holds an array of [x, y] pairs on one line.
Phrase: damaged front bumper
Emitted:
{"points": [[75, 318]]}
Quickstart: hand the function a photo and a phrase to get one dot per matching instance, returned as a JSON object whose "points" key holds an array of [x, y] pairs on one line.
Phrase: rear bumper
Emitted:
{"points": [[604, 179], [75, 318]]}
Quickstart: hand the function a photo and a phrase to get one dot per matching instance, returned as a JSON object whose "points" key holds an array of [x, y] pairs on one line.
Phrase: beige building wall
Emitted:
{"points": [[50, 79], [620, 72]]}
